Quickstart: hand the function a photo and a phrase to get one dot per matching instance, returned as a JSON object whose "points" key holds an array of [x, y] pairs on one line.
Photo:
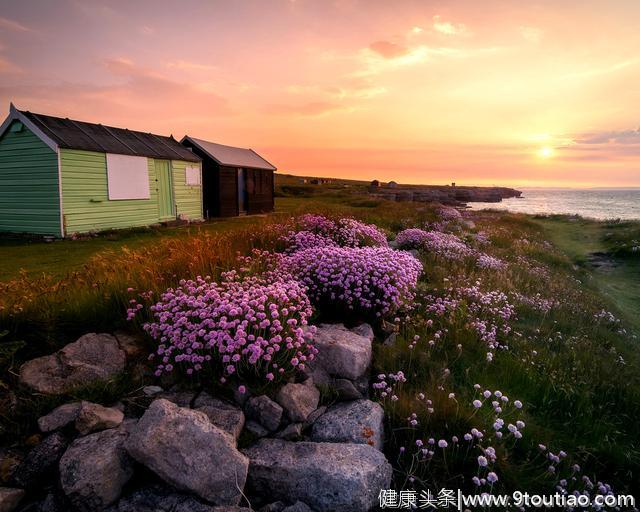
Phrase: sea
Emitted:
{"points": [[601, 203]]}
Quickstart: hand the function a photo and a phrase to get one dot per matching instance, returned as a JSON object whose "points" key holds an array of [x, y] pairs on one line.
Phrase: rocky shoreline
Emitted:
{"points": [[191, 451], [448, 195]]}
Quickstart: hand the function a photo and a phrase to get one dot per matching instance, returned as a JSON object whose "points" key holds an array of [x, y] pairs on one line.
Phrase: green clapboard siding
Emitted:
{"points": [[29, 192], [86, 204], [188, 197], [85, 198]]}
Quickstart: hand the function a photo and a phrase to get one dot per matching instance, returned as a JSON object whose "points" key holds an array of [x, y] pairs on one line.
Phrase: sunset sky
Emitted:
{"points": [[538, 93]]}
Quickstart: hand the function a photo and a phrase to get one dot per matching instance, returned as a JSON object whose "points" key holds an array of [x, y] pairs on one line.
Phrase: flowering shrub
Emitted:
{"points": [[301, 240], [412, 238], [489, 262], [442, 244], [368, 280], [319, 231], [247, 327], [449, 214], [353, 233]]}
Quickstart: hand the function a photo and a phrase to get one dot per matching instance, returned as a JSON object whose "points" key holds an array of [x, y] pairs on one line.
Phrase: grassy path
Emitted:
{"points": [[619, 279]]}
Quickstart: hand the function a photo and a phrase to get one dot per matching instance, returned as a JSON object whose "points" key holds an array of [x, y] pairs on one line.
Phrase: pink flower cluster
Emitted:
{"points": [[319, 231], [449, 214], [368, 280], [255, 325], [442, 244], [489, 262]]}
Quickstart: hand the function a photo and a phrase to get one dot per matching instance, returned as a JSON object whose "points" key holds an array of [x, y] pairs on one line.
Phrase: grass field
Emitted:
{"points": [[561, 331]]}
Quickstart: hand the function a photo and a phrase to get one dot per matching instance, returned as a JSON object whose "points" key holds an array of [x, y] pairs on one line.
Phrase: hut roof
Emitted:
{"points": [[71, 134], [229, 155]]}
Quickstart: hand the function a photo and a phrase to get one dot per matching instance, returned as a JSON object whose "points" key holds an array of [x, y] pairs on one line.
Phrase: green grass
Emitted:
{"points": [[619, 281]]}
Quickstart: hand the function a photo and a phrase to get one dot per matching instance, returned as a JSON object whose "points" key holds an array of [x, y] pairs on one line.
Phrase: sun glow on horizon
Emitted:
{"points": [[546, 152]]}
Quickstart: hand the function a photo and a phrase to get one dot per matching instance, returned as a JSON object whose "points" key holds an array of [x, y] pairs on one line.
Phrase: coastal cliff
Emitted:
{"points": [[452, 195]]}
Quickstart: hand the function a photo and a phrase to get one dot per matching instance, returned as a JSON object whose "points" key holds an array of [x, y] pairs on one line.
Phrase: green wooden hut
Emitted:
{"points": [[59, 177]]}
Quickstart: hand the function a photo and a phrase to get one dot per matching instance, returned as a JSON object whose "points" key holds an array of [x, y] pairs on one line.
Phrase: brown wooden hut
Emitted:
{"points": [[235, 181]]}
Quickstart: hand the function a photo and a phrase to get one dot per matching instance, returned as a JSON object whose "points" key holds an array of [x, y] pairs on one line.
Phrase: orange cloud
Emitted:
{"points": [[388, 50]]}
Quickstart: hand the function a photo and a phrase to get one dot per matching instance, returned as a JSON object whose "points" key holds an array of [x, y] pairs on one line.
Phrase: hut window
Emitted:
{"points": [[127, 177], [192, 175]]}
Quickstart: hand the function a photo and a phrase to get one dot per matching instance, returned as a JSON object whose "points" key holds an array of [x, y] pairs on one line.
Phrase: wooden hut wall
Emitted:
{"points": [[228, 189], [259, 191]]}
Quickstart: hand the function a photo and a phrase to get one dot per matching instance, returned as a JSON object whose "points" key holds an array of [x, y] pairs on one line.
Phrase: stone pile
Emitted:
{"points": [[198, 453]]}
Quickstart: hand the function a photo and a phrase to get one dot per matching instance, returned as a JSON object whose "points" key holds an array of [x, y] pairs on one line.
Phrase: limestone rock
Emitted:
{"points": [[40, 461], [225, 416], [364, 330], [327, 476], [187, 451], [92, 417], [299, 400], [93, 357], [341, 352], [265, 411], [360, 421], [95, 468], [10, 498], [59, 418]]}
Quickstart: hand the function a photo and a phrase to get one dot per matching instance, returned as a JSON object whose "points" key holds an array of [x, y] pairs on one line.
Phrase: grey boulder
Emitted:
{"points": [[95, 468], [92, 417], [265, 411], [59, 418], [364, 330], [341, 353], [224, 415], [93, 357], [299, 400], [187, 451], [359, 421], [328, 477]]}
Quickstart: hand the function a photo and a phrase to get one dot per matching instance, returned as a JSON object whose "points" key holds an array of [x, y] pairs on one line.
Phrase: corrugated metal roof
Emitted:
{"points": [[231, 156], [71, 134]]}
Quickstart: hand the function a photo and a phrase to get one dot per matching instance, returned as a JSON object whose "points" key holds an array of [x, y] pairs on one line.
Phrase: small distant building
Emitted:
{"points": [[392, 184], [59, 177], [235, 181]]}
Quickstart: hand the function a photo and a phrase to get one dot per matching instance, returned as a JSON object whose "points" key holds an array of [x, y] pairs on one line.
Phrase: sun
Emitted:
{"points": [[545, 152]]}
